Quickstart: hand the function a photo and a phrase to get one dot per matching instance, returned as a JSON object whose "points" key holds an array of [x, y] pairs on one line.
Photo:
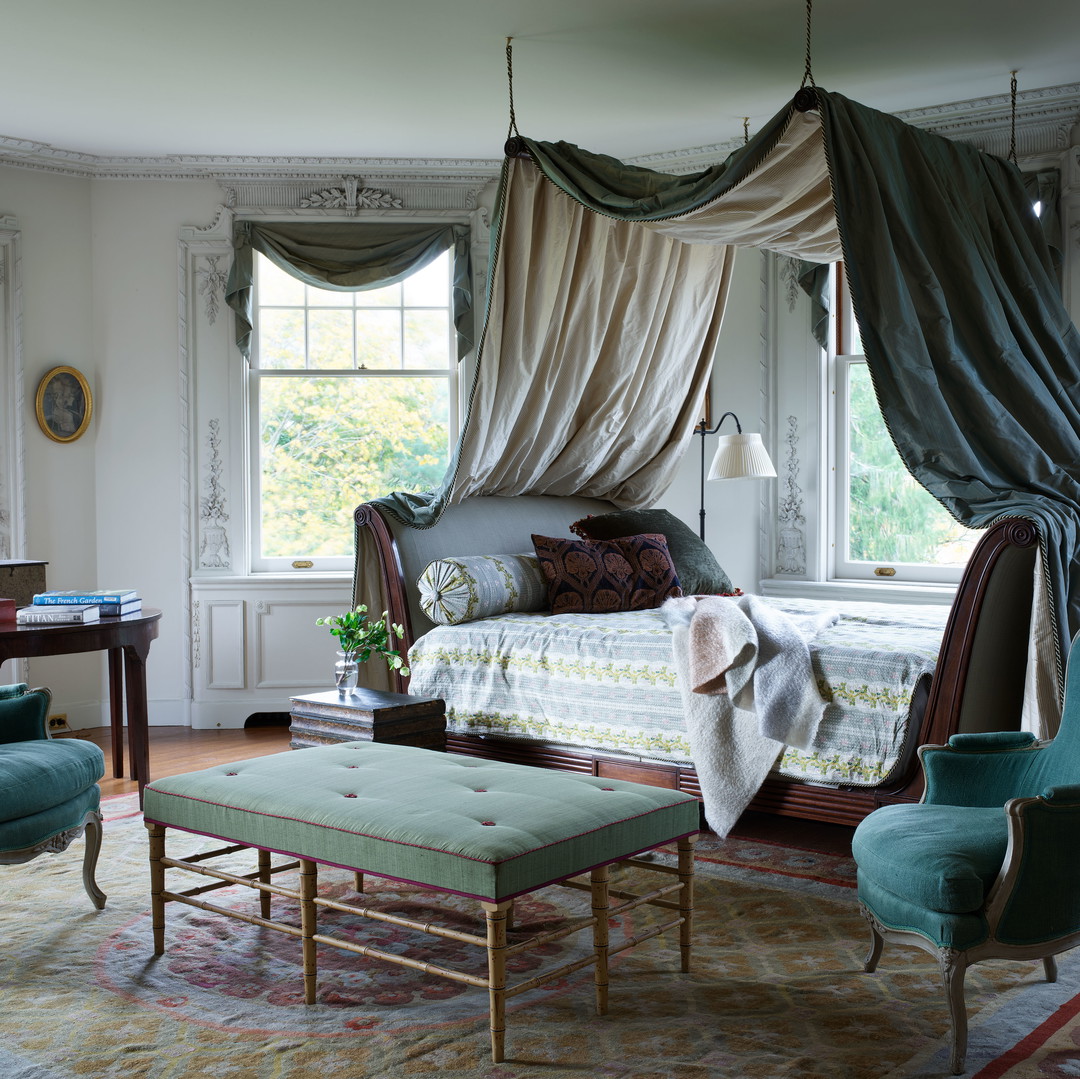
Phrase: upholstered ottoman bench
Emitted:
{"points": [[477, 828]]}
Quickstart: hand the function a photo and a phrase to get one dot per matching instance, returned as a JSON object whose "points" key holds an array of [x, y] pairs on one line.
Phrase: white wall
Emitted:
{"points": [[100, 287], [732, 507]]}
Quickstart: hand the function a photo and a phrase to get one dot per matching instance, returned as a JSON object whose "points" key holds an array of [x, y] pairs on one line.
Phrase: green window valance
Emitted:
{"points": [[350, 256]]}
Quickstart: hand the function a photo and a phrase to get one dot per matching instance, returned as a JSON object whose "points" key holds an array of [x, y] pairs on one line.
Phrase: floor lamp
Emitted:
{"points": [[738, 457]]}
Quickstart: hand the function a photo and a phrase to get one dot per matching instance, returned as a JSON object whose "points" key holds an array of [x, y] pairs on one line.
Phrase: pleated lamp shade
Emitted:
{"points": [[741, 456]]}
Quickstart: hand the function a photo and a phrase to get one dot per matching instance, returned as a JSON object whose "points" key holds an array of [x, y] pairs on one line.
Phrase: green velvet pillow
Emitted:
{"points": [[698, 571]]}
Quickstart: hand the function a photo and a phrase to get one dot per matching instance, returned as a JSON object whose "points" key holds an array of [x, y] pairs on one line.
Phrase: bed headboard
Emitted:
{"points": [[390, 556]]}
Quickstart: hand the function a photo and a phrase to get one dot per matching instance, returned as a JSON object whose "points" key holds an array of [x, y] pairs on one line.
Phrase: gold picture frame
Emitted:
{"points": [[63, 404]]}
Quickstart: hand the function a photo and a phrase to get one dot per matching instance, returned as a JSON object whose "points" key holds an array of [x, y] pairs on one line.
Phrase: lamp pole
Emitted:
{"points": [[703, 431]]}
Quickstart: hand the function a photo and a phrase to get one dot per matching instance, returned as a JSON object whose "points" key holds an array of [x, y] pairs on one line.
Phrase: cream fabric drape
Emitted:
{"points": [[596, 354], [785, 205]]}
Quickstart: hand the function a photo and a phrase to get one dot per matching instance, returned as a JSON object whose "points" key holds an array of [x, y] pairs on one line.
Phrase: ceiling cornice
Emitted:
{"points": [[1044, 122]]}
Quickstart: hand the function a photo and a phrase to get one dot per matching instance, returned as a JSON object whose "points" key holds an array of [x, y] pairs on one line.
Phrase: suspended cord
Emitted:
{"points": [[513, 129], [1012, 120], [808, 74]]}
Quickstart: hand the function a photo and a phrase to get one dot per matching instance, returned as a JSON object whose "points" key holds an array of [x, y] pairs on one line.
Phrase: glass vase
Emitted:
{"points": [[346, 672]]}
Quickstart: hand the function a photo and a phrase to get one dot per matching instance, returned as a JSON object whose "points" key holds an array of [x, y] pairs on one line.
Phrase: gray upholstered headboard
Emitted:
{"points": [[492, 524]]}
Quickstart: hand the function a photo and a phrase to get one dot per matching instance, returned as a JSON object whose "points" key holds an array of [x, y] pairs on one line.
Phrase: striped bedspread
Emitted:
{"points": [[606, 683]]}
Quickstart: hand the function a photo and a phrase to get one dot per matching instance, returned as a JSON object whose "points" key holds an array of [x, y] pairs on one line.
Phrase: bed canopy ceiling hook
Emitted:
{"points": [[515, 145], [1012, 118], [806, 97]]}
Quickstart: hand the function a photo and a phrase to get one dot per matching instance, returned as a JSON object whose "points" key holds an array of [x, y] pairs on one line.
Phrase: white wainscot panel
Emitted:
{"points": [[290, 652], [225, 651], [255, 643]]}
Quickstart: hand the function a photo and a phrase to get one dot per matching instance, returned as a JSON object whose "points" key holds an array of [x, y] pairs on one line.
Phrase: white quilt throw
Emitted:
{"points": [[748, 688]]}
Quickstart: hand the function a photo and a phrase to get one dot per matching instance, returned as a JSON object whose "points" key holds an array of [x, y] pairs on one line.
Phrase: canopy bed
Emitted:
{"points": [[607, 291]]}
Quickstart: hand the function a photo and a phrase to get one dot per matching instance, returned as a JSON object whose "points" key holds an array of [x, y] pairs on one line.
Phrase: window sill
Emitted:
{"points": [[296, 577], [868, 591]]}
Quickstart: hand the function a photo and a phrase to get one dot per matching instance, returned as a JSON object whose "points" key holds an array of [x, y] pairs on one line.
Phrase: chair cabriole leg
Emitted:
{"points": [[92, 839], [953, 968]]}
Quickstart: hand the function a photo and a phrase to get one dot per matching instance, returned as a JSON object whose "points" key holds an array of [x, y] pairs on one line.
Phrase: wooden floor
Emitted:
{"points": [[181, 749]]}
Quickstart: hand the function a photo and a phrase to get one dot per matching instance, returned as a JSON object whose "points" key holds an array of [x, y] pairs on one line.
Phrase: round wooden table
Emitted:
{"points": [[127, 640]]}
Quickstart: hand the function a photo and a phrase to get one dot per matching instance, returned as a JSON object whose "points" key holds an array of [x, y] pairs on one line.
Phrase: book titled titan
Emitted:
{"points": [[104, 595], [68, 612]]}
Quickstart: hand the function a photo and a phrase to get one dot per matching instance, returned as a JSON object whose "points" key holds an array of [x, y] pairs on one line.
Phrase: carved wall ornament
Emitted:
{"points": [[350, 197], [791, 535], [196, 634], [213, 516], [789, 268], [212, 281]]}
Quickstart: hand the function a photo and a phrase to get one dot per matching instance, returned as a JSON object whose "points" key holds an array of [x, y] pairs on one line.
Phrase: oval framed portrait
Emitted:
{"points": [[63, 404]]}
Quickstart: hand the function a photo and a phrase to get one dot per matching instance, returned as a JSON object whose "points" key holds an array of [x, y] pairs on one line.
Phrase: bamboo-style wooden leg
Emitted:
{"points": [[496, 956], [358, 881], [601, 908], [264, 878], [1050, 967], [309, 884], [157, 886], [686, 898], [953, 969], [92, 833]]}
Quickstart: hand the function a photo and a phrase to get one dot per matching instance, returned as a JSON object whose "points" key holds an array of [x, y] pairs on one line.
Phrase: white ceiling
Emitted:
{"points": [[427, 78]]}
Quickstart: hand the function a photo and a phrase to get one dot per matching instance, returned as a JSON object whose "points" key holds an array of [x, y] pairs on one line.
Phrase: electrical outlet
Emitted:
{"points": [[58, 724]]}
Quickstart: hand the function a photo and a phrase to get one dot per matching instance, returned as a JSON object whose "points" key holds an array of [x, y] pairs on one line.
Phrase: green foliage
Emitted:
{"points": [[892, 518], [358, 638]]}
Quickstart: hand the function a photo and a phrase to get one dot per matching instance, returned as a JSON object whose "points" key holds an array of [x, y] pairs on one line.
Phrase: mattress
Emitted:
{"points": [[606, 683]]}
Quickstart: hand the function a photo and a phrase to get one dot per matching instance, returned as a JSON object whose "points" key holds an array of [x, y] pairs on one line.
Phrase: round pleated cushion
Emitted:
{"points": [[456, 590], [937, 857], [40, 774]]}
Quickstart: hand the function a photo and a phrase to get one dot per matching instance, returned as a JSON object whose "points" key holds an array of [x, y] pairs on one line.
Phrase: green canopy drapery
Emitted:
{"points": [[973, 356], [349, 257]]}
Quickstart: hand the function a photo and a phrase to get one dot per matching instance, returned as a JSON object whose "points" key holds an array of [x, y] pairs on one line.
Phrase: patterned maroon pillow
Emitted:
{"points": [[632, 573]]}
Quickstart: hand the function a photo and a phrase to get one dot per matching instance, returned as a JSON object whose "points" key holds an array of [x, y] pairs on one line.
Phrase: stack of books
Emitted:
{"points": [[74, 606]]}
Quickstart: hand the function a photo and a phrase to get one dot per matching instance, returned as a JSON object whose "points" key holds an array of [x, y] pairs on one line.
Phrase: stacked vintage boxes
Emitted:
{"points": [[321, 719]]}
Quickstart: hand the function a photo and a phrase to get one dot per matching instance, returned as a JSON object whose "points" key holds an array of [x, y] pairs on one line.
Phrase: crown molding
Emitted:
{"points": [[1045, 119]]}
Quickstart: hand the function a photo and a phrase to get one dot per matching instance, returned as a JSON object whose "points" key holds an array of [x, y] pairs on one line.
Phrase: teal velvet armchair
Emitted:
{"points": [[985, 866], [49, 792]]}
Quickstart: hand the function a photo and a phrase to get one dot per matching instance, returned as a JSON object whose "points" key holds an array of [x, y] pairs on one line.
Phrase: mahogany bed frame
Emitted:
{"points": [[978, 684]]}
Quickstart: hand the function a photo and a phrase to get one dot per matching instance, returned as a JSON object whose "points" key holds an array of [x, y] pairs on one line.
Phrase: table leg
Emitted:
{"points": [[138, 736], [116, 710]]}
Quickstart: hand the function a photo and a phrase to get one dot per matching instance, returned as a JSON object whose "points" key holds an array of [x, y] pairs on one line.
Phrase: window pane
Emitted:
{"points": [[378, 340], [325, 297], [330, 339], [387, 296], [276, 287], [892, 518], [281, 338], [328, 444], [427, 339], [430, 286]]}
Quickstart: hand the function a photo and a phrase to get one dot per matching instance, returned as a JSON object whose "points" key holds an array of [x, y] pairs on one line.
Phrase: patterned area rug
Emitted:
{"points": [[777, 987]]}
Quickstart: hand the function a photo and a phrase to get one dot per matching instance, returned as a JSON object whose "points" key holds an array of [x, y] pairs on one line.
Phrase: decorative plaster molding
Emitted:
{"points": [[791, 538], [350, 197], [196, 634], [789, 267], [300, 194], [1044, 120], [214, 538], [212, 281]]}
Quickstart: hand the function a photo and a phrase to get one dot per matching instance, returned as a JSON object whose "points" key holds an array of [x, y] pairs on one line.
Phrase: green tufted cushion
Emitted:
{"points": [[456, 590], [939, 857], [38, 775], [459, 824], [696, 566]]}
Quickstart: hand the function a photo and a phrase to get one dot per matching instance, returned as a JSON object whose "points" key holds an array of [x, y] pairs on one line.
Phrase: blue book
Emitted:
{"points": [[52, 598], [114, 610]]}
